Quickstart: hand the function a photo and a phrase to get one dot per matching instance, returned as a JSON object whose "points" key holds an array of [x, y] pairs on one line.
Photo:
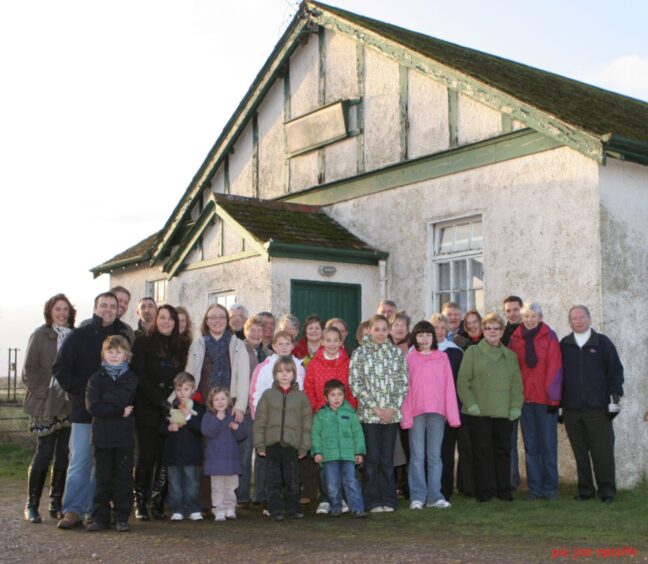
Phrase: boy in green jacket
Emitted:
{"points": [[338, 445]]}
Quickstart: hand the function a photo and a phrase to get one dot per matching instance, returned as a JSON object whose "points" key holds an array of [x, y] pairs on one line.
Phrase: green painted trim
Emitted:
{"points": [[222, 260], [565, 133], [287, 117], [107, 269], [626, 149], [360, 76], [244, 233], [507, 123], [226, 175], [499, 149], [403, 99], [255, 155], [312, 252], [453, 117]]}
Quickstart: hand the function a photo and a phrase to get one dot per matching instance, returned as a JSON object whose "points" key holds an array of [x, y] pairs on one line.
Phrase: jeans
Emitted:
{"points": [[282, 480], [184, 485], [378, 481], [425, 438], [245, 452], [515, 462], [540, 434], [340, 474], [114, 468], [80, 482]]}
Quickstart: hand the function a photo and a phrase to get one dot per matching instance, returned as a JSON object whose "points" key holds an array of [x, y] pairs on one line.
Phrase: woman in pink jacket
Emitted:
{"points": [[430, 401]]}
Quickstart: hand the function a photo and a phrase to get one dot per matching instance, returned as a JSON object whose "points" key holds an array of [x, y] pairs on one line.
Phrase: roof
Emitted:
{"points": [[592, 109], [139, 252]]}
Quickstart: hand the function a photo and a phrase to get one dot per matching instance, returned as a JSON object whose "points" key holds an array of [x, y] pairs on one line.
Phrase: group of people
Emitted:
{"points": [[157, 415]]}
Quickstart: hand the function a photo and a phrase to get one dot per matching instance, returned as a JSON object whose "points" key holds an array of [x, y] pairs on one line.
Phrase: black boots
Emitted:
{"points": [[57, 485], [35, 483], [158, 495], [141, 506]]}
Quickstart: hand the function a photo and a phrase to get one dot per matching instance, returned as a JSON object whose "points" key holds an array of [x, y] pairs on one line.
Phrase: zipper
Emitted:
{"points": [[283, 416], [580, 372]]}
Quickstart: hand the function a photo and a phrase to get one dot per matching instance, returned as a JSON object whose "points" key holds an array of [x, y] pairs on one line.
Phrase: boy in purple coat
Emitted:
{"points": [[222, 460]]}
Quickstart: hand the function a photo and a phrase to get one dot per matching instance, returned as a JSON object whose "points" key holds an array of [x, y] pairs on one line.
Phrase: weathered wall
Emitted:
{"points": [[476, 121], [240, 164], [284, 270], [271, 143], [427, 110], [624, 242]]}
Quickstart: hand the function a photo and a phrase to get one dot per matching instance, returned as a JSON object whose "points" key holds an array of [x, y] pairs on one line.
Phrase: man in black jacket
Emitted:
{"points": [[592, 388], [78, 359]]}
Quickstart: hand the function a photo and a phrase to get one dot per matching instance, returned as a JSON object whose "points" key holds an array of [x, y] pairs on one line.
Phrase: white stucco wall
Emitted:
{"points": [[240, 164], [624, 239], [341, 78], [476, 121], [271, 142], [427, 110]]}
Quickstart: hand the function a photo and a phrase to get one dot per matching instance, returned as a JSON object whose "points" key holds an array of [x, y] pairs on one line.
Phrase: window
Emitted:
{"points": [[157, 289], [226, 298], [458, 264]]}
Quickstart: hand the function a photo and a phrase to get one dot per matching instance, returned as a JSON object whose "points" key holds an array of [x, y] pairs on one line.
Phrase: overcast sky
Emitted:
{"points": [[107, 109]]}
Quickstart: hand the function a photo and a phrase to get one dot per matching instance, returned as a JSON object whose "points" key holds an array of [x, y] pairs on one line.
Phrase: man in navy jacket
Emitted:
{"points": [[592, 388]]}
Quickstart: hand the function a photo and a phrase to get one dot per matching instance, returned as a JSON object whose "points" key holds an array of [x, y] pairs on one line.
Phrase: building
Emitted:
{"points": [[379, 162]]}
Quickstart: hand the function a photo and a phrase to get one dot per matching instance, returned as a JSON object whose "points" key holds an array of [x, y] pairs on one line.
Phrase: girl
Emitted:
{"points": [[378, 378], [222, 462], [430, 400]]}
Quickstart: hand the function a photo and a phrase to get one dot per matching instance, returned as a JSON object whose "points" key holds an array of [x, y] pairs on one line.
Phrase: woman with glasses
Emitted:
{"points": [[490, 389]]}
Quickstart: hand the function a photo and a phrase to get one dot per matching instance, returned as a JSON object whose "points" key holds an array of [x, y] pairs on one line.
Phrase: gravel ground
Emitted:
{"points": [[252, 538]]}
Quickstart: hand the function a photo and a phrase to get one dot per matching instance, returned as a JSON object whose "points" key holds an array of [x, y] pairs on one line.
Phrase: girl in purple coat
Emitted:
{"points": [[222, 461]]}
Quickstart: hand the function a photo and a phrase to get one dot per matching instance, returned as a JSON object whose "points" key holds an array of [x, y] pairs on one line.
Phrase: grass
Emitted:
{"points": [[14, 459]]}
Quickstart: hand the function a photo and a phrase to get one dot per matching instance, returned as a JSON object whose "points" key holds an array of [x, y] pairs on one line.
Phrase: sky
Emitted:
{"points": [[107, 110]]}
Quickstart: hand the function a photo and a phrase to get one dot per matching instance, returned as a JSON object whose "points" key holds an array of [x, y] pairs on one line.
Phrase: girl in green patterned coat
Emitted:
{"points": [[378, 378]]}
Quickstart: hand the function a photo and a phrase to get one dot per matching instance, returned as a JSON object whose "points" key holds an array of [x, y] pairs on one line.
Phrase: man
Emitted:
{"points": [[78, 358], [512, 312], [123, 300], [452, 310], [387, 308], [513, 315], [591, 391], [268, 328], [146, 311], [237, 317]]}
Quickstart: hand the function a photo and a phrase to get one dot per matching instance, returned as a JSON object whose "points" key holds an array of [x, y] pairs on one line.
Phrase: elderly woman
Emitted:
{"points": [[399, 331], [311, 339], [538, 352], [48, 407], [290, 324], [490, 389], [471, 332]]}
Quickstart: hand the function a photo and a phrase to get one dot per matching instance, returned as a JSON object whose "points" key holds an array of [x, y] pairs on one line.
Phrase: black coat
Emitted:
{"points": [[156, 373], [185, 446], [105, 400], [590, 374], [79, 357]]}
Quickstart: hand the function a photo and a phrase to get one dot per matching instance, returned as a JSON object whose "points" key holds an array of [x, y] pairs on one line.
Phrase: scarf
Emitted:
{"points": [[62, 332], [115, 370], [218, 353], [530, 357]]}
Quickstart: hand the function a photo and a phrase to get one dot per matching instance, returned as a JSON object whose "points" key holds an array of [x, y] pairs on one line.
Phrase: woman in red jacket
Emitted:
{"points": [[538, 352]]}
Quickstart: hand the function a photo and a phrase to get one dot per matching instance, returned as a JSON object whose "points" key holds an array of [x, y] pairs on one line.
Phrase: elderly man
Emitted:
{"points": [[592, 388], [452, 310], [146, 312], [237, 317]]}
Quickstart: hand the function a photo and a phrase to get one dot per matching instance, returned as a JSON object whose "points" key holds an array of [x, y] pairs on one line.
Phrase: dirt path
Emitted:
{"points": [[252, 538]]}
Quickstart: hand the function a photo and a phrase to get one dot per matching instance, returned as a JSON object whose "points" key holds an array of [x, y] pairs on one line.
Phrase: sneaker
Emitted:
{"points": [[388, 509], [416, 505], [323, 508], [345, 507], [197, 516], [69, 521], [122, 527], [376, 509], [265, 513], [220, 516], [178, 516], [230, 514], [441, 504]]}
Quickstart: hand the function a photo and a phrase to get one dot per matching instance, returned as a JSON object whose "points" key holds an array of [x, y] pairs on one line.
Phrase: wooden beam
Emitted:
{"points": [[453, 117], [222, 260], [321, 100], [360, 75], [255, 155], [287, 117], [403, 99]]}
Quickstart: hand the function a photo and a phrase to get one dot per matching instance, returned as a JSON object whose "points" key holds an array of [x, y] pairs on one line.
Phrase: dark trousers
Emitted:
{"points": [[491, 443], [282, 480], [448, 446], [114, 474], [54, 446], [309, 477], [465, 466], [378, 481], [150, 445], [590, 433]]}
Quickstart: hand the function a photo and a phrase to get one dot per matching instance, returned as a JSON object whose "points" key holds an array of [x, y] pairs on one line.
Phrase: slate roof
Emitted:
{"points": [[137, 253], [592, 109]]}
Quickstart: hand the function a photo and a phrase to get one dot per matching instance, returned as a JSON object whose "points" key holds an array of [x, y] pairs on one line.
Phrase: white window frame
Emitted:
{"points": [[438, 259], [226, 298], [158, 290]]}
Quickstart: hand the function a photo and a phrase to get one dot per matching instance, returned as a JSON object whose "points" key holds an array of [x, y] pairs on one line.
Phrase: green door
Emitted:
{"points": [[328, 299]]}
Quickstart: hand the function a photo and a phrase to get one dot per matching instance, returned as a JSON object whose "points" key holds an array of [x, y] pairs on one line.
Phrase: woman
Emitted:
{"points": [[48, 407], [538, 352], [185, 326], [399, 331], [378, 378], [311, 339], [490, 389], [157, 358], [290, 324], [471, 332]]}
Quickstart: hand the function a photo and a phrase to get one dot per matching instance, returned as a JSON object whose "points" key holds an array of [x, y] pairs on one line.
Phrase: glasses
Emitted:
{"points": [[492, 328], [216, 318]]}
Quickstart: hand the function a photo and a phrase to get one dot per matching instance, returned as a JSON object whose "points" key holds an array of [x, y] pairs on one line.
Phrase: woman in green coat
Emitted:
{"points": [[490, 389]]}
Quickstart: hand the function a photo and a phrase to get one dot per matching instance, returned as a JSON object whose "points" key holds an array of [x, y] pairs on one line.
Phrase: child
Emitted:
{"points": [[222, 460], [183, 452], [430, 400], [338, 445], [109, 399], [282, 434], [378, 378]]}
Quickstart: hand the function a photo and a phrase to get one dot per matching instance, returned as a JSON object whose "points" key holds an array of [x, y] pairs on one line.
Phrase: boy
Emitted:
{"points": [[338, 445], [109, 399], [183, 452], [282, 434]]}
